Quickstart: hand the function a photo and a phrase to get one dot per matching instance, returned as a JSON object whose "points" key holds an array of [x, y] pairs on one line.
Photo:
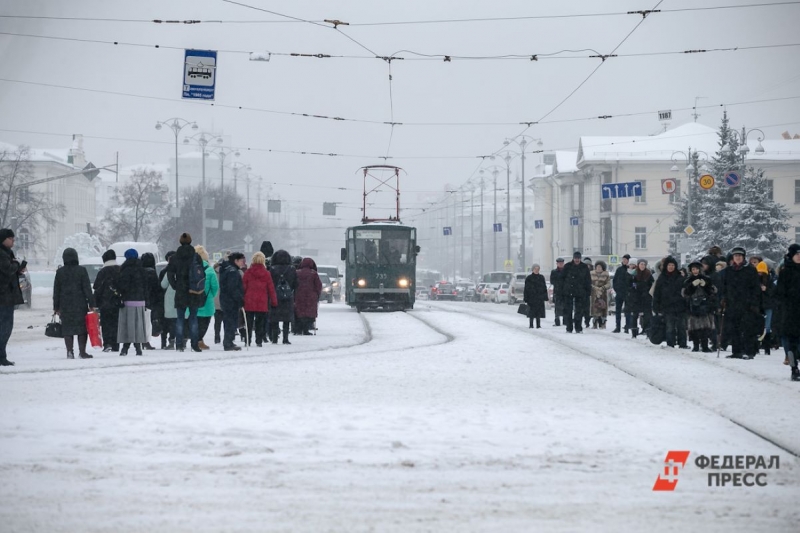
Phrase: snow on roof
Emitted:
{"points": [[661, 147], [48, 155], [566, 162]]}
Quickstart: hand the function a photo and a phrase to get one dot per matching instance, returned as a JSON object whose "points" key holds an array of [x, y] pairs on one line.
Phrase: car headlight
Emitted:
{"points": [[326, 289], [362, 282], [402, 282], [335, 284]]}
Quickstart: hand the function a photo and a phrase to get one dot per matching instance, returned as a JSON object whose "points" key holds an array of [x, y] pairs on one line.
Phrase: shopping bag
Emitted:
{"points": [[523, 309], [93, 329], [53, 329]]}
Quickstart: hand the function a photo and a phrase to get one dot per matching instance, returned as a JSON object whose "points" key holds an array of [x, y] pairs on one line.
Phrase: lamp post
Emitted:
{"points": [[495, 171], [236, 168], [223, 152], [176, 125], [691, 175], [522, 142], [507, 157], [202, 141], [742, 141]]}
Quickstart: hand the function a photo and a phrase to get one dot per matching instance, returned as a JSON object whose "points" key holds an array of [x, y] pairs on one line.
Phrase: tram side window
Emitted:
{"points": [[367, 250]]}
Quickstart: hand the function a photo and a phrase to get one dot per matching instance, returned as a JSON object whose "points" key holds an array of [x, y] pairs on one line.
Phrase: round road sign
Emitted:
{"points": [[668, 186], [706, 181], [732, 179]]}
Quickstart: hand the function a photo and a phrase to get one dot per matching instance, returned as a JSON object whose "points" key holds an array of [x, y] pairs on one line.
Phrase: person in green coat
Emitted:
{"points": [[206, 311]]}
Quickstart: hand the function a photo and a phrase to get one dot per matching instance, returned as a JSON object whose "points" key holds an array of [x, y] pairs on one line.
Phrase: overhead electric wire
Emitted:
{"points": [[396, 23]]}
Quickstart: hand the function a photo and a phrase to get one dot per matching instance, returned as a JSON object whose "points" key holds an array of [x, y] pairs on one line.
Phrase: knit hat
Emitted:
{"points": [[131, 253], [793, 249], [577, 255], [185, 238], [5, 233], [697, 264], [739, 250], [109, 255], [640, 261], [535, 266], [762, 268]]}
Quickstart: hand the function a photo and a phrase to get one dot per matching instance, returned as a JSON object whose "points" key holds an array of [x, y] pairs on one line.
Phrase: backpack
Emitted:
{"points": [[197, 276], [283, 291]]}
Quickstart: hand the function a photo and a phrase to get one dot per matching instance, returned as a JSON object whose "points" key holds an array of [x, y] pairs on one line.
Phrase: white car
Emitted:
{"points": [[517, 288], [501, 293]]}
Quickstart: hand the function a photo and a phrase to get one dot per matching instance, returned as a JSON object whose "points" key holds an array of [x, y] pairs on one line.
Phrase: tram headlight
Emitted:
{"points": [[402, 282], [362, 282]]}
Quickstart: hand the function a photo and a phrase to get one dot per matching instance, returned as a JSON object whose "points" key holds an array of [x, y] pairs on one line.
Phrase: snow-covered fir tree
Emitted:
{"points": [[734, 216]]}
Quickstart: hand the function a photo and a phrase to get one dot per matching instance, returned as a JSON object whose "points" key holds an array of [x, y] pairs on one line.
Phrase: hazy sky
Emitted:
{"points": [[506, 91]]}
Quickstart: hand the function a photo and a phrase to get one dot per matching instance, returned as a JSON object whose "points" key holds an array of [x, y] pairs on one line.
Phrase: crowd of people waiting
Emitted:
{"points": [[273, 295], [718, 301]]}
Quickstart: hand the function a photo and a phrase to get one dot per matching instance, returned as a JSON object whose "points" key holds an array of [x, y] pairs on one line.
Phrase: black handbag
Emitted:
{"points": [[658, 330], [523, 309], [53, 329]]}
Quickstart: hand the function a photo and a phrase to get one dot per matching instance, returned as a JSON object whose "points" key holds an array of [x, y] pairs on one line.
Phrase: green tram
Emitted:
{"points": [[381, 266], [380, 255]]}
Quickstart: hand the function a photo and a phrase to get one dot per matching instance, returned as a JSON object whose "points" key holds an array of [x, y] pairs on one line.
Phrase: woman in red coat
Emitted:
{"points": [[258, 291], [306, 298]]}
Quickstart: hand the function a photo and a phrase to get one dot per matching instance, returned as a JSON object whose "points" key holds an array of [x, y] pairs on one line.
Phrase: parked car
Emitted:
{"points": [[327, 290], [487, 294], [478, 295], [501, 293], [444, 291], [463, 291], [517, 288], [335, 277]]}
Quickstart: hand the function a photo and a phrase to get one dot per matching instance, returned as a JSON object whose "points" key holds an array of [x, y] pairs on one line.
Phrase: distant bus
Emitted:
{"points": [[498, 277], [428, 278]]}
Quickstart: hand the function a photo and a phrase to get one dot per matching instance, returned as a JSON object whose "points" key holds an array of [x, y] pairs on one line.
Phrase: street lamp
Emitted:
{"points": [[202, 140], [522, 142], [691, 175], [236, 166], [176, 125], [495, 171], [742, 141], [223, 152]]}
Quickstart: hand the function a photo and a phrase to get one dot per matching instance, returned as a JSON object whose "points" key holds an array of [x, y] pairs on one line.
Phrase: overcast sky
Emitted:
{"points": [[508, 91]]}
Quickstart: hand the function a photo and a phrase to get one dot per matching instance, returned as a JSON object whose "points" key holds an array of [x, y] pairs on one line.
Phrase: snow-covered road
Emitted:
{"points": [[452, 417]]}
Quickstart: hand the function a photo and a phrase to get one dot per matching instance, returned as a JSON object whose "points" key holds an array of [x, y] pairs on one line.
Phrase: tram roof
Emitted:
{"points": [[384, 224]]}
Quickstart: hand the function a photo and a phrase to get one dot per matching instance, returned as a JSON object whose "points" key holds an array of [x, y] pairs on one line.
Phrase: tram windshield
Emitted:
{"points": [[383, 247]]}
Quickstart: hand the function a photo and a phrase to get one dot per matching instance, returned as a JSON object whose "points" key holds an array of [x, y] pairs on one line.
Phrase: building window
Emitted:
{"points": [[770, 189], [643, 198], [797, 191], [675, 197], [641, 238], [24, 239]]}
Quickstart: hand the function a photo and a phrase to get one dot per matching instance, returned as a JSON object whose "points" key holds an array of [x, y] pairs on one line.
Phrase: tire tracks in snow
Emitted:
{"points": [[781, 441]]}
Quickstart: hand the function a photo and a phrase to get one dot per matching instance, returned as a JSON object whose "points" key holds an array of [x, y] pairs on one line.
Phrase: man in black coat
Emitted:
{"points": [[10, 292], [282, 270], [178, 276], [668, 301], [105, 284], [622, 284], [557, 281], [740, 299], [231, 297], [788, 293], [155, 297], [577, 288]]}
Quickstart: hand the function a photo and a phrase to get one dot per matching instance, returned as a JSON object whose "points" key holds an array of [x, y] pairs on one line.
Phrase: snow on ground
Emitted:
{"points": [[452, 417]]}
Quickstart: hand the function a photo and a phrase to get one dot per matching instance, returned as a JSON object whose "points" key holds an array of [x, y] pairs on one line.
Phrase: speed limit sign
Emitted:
{"points": [[706, 181]]}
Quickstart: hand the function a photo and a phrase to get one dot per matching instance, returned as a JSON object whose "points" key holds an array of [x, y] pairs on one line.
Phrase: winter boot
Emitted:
{"points": [[70, 354], [530, 323], [138, 347], [634, 332], [148, 346], [594, 323], [124, 350], [617, 330], [538, 323], [6, 362], [795, 374], [557, 322]]}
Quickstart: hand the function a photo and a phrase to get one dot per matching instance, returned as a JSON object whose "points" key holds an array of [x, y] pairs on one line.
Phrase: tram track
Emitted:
{"points": [[782, 444]]}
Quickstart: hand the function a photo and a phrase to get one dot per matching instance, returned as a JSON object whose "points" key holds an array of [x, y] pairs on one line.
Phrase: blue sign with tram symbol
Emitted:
{"points": [[199, 74], [574, 221], [538, 224], [498, 227], [621, 190], [733, 179], [447, 230]]}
